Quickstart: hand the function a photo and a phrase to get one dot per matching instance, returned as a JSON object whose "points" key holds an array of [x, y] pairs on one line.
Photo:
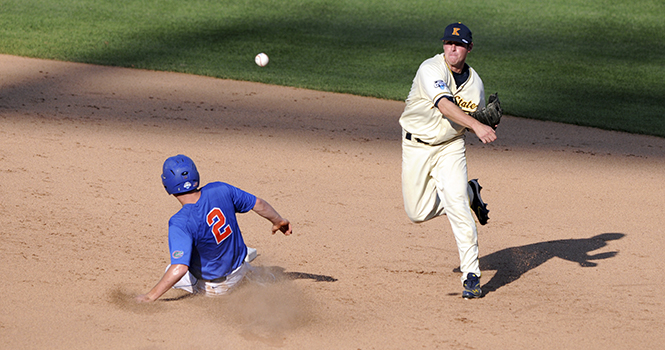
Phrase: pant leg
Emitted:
{"points": [[421, 200], [450, 173], [233, 279]]}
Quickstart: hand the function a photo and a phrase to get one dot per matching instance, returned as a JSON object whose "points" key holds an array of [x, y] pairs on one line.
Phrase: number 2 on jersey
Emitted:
{"points": [[217, 221]]}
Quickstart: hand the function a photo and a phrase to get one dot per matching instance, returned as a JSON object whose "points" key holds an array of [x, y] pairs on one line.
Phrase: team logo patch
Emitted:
{"points": [[440, 84], [187, 185], [178, 254]]}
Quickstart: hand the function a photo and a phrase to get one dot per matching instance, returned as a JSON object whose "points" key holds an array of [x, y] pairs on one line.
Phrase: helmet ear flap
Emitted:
{"points": [[179, 175]]}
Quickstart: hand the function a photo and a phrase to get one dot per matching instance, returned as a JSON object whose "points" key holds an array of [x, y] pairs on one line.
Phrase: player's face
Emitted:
{"points": [[455, 54]]}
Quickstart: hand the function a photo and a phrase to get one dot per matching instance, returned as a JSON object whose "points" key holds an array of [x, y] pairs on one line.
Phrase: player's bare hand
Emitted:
{"points": [[283, 225], [143, 298], [485, 133]]}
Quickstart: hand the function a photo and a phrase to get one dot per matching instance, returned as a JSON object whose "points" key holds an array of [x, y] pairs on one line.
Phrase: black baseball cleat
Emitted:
{"points": [[477, 205]]}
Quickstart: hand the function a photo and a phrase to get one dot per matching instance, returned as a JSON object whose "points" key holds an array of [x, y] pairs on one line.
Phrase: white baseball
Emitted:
{"points": [[261, 59]]}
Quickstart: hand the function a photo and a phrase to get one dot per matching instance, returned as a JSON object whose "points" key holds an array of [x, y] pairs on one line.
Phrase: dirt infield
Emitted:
{"points": [[571, 258]]}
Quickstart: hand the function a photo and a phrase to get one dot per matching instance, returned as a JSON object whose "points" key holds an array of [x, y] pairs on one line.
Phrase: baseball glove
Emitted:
{"points": [[491, 114]]}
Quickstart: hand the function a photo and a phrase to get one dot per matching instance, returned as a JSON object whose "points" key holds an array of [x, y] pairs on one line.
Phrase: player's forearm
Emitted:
{"points": [[265, 210], [170, 278], [456, 114], [451, 111]]}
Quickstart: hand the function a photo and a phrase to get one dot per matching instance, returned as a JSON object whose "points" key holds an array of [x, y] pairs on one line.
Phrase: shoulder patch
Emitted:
{"points": [[177, 254], [440, 84]]}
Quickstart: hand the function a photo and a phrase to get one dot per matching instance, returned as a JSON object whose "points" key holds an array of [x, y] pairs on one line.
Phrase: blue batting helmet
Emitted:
{"points": [[179, 175]]}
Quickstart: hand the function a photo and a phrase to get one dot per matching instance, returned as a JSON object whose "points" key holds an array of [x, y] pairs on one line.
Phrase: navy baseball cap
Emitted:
{"points": [[457, 32]]}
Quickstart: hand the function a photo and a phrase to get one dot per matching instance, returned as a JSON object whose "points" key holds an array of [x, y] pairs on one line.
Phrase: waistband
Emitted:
{"points": [[216, 280], [410, 137]]}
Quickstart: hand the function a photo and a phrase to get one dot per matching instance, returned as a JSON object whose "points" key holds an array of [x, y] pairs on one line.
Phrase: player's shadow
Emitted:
{"points": [[276, 273], [280, 271], [511, 263]]}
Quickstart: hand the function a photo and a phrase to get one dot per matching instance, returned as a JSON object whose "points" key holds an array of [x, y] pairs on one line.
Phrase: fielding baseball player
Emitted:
{"points": [[208, 254], [446, 99]]}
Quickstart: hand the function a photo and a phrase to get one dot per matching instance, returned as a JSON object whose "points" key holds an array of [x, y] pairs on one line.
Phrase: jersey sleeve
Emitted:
{"points": [[434, 82], [180, 246], [242, 201]]}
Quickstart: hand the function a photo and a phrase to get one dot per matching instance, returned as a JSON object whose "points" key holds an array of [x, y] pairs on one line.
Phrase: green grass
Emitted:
{"points": [[597, 63]]}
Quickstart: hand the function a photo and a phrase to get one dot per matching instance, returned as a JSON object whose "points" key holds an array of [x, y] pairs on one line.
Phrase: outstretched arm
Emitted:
{"points": [[451, 111], [267, 211], [170, 278]]}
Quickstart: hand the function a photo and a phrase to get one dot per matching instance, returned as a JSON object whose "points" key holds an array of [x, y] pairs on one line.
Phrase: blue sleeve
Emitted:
{"points": [[242, 201], [180, 246]]}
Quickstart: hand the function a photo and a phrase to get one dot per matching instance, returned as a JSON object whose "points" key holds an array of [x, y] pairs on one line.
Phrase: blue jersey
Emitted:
{"points": [[205, 235]]}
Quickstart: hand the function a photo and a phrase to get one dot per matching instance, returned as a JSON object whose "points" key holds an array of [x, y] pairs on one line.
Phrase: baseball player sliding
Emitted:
{"points": [[447, 98], [208, 253]]}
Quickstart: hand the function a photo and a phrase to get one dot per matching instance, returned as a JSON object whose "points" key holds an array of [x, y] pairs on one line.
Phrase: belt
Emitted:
{"points": [[216, 280], [409, 137]]}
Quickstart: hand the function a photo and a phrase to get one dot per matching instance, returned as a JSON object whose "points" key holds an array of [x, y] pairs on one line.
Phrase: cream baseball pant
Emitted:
{"points": [[191, 284], [435, 183]]}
